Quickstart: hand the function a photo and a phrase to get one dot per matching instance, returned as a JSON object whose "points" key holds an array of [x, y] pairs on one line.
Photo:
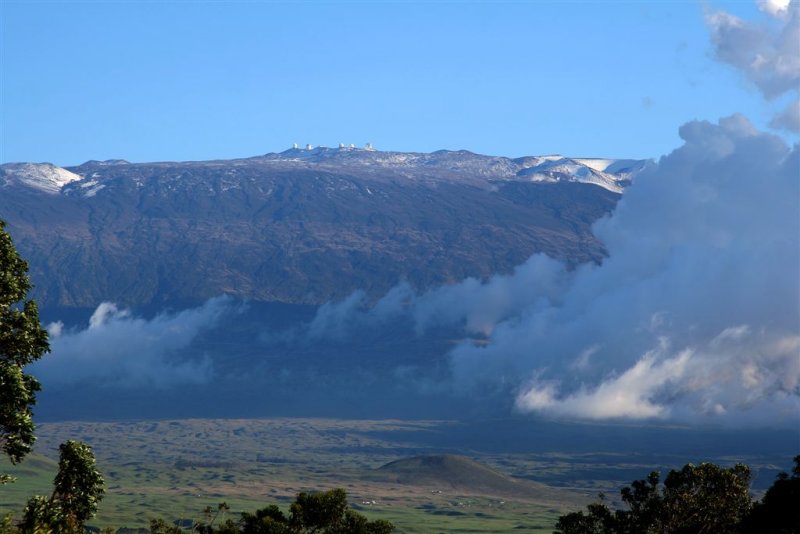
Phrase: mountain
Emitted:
{"points": [[302, 226]]}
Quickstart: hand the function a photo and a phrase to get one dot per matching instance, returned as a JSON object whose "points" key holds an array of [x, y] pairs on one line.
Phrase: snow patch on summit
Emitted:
{"points": [[45, 177], [595, 171], [596, 164]]}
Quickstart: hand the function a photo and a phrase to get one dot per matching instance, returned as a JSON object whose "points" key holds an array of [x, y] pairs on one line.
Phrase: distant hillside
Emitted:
{"points": [[302, 226], [461, 475]]}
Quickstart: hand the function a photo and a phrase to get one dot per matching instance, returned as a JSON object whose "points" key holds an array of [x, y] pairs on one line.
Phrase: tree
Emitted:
{"points": [[325, 512], [268, 520], [705, 499], [779, 510], [22, 341], [695, 499], [78, 488], [78, 483], [317, 511], [42, 515]]}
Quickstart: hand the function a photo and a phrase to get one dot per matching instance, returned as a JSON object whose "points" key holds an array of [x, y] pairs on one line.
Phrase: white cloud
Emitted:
{"points": [[693, 315], [475, 304], [776, 8], [54, 329], [120, 350], [630, 395], [736, 374], [768, 54], [704, 252], [105, 313], [481, 305]]}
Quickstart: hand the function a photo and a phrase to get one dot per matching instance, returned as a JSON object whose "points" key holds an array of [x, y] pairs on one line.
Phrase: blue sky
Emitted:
{"points": [[148, 81]]}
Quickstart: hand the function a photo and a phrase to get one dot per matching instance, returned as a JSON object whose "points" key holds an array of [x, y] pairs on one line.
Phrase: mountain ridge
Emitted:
{"points": [[606, 173], [302, 226]]}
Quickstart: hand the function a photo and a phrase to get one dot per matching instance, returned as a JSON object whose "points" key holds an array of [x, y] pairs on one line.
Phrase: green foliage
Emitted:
{"points": [[319, 513], [159, 526], [43, 515], [355, 523], [78, 487], [22, 341], [314, 512], [598, 520], [5, 524], [695, 499], [705, 499], [78, 483], [269, 520]]}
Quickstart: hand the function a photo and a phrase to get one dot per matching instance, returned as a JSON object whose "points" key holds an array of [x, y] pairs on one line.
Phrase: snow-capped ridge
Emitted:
{"points": [[434, 167], [44, 177], [610, 174], [105, 162]]}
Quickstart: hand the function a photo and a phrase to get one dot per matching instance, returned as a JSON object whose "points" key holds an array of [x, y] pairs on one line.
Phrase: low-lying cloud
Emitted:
{"points": [[122, 351], [476, 305]]}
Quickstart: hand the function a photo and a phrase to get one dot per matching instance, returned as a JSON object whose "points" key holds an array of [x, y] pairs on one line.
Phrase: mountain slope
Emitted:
{"points": [[303, 226]]}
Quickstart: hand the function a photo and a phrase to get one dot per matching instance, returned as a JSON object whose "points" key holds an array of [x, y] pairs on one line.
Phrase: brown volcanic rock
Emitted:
{"points": [[299, 227]]}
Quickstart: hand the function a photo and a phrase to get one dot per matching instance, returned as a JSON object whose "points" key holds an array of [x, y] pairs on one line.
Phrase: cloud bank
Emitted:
{"points": [[693, 315], [695, 311], [122, 351]]}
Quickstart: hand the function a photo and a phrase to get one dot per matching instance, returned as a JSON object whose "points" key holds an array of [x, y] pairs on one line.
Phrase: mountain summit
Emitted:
{"points": [[610, 174]]}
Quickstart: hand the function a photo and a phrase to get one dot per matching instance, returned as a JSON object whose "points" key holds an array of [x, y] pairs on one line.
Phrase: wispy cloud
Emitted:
{"points": [[767, 53]]}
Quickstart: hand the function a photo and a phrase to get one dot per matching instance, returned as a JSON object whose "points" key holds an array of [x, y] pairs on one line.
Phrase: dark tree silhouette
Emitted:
{"points": [[779, 510], [695, 499]]}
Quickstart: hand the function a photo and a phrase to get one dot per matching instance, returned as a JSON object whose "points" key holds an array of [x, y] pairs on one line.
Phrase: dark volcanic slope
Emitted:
{"points": [[290, 227]]}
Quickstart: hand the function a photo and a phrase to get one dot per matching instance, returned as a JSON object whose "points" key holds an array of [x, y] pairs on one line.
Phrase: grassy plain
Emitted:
{"points": [[174, 469]]}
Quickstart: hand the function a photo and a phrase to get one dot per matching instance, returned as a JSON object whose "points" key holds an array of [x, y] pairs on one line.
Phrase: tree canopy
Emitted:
{"points": [[779, 510], [77, 489], [78, 483], [325, 512], [695, 500], [22, 341]]}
